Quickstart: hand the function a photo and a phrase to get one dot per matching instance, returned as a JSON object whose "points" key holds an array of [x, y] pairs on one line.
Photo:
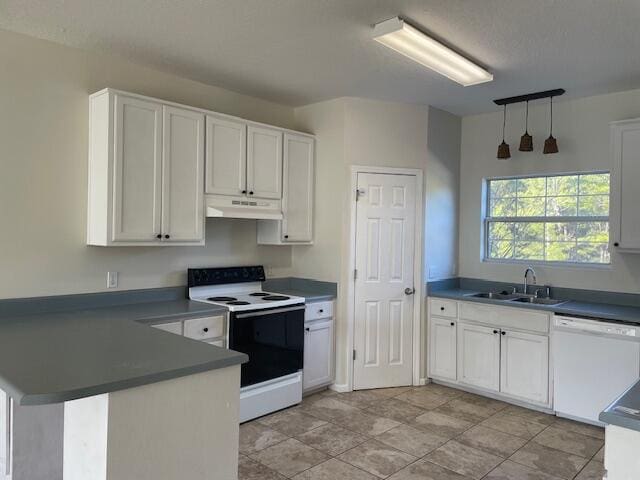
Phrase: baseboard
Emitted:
{"points": [[340, 388], [422, 382]]}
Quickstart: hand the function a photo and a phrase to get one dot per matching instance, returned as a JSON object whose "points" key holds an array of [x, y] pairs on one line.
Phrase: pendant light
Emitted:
{"points": [[526, 141], [503, 148], [550, 144]]}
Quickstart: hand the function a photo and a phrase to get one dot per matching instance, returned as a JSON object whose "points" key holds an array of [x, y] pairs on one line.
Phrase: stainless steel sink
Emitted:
{"points": [[495, 295], [540, 300]]}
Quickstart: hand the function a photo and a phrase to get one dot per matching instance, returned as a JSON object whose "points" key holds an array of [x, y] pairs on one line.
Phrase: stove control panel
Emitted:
{"points": [[199, 277]]}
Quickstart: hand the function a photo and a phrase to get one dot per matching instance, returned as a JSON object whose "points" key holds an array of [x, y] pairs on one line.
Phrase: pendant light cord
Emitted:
{"points": [[526, 119], [551, 122], [504, 121]]}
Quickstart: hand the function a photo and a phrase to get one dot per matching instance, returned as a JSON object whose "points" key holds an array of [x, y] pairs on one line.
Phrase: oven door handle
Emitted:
{"points": [[269, 312]]}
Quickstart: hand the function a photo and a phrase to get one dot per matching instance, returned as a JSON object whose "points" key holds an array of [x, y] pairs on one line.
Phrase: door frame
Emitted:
{"points": [[418, 268]]}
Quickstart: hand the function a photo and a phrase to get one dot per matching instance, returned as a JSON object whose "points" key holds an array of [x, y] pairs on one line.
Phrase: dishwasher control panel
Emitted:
{"points": [[595, 326]]}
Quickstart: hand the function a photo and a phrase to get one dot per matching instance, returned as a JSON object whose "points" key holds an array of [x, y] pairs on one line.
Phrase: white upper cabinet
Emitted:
{"points": [[137, 176], [297, 199], [264, 162], [226, 156], [146, 172], [182, 175], [625, 140]]}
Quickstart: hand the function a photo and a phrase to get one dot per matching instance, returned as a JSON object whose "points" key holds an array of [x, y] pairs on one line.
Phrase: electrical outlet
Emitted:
{"points": [[112, 279]]}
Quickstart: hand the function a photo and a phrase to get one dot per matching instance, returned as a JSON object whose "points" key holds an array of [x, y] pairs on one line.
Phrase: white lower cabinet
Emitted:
{"points": [[212, 330], [318, 348], [479, 356], [442, 348], [496, 349], [524, 366]]}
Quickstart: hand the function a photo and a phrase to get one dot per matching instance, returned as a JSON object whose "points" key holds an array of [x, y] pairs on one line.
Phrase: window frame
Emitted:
{"points": [[487, 219]]}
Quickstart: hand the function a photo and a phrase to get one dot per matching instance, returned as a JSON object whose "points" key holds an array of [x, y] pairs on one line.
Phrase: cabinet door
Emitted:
{"points": [[442, 348], [318, 354], [137, 170], [479, 356], [297, 197], [226, 156], [264, 162], [626, 145], [183, 176], [524, 366]]}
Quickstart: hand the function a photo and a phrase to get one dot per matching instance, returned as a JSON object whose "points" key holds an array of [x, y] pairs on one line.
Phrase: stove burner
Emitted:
{"points": [[237, 302], [275, 297], [222, 299], [258, 294]]}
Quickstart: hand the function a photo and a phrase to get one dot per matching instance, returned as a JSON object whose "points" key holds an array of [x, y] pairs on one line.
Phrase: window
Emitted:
{"points": [[560, 218]]}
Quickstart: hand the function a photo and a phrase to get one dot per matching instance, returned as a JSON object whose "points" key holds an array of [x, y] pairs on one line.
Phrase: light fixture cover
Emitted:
{"points": [[398, 35]]}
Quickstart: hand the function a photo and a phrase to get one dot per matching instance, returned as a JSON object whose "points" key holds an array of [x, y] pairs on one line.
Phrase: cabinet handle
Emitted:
{"points": [[616, 244], [286, 236], [158, 236], [321, 311], [442, 309], [167, 236], [503, 332], [244, 191], [205, 329], [453, 324], [495, 331], [251, 193], [307, 329]]}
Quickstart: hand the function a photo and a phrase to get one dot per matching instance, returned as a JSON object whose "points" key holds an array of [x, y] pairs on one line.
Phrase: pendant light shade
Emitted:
{"points": [[526, 141], [550, 144], [503, 148]]}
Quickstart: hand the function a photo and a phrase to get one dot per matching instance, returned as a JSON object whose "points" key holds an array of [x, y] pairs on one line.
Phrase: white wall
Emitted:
{"points": [[443, 190], [355, 131], [43, 179], [581, 127]]}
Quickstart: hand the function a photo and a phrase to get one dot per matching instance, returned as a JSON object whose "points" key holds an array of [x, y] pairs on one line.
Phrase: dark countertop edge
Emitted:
{"points": [[621, 419], [234, 358], [581, 309]]}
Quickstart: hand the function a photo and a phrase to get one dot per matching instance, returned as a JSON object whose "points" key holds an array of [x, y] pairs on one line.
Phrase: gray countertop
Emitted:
{"points": [[309, 297], [629, 399], [605, 311], [52, 358]]}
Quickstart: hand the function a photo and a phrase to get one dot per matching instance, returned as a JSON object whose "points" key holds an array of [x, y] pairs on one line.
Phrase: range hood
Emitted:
{"points": [[223, 206]]}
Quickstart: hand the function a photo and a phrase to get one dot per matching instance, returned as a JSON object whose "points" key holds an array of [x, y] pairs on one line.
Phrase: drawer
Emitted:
{"points": [[318, 310], [505, 317], [204, 328], [173, 327], [443, 308]]}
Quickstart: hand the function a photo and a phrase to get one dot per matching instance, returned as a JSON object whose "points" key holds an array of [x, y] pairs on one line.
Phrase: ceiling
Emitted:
{"points": [[297, 52]]}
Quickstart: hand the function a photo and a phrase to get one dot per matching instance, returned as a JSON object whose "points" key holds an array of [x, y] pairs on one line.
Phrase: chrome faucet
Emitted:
{"points": [[526, 276]]}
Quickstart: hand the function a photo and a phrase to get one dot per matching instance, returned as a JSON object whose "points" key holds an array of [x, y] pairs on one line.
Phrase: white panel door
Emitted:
{"points": [[524, 366], [137, 170], [627, 162], [442, 348], [297, 204], [264, 162], [479, 356], [385, 222], [226, 157], [183, 176], [318, 354]]}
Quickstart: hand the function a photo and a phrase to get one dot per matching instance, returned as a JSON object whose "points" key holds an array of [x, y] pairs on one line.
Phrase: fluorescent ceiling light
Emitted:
{"points": [[396, 34]]}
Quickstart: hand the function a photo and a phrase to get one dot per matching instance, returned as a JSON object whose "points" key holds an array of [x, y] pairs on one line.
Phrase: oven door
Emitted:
{"points": [[273, 339]]}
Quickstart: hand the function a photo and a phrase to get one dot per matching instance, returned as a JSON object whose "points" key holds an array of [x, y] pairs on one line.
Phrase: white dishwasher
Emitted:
{"points": [[594, 363]]}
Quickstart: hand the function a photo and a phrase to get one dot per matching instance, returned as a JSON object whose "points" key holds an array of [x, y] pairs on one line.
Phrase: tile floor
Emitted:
{"points": [[422, 433]]}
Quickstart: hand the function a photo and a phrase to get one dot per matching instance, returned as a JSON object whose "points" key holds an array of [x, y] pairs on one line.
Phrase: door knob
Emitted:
{"points": [[409, 291]]}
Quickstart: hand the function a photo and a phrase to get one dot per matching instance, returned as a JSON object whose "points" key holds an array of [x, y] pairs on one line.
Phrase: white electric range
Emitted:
{"points": [[268, 327]]}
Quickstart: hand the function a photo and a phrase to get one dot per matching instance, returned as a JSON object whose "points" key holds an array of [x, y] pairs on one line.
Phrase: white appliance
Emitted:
{"points": [[594, 362], [242, 207], [268, 327]]}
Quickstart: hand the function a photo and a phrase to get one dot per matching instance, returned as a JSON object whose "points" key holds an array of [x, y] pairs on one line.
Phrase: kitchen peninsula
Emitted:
{"points": [[99, 395]]}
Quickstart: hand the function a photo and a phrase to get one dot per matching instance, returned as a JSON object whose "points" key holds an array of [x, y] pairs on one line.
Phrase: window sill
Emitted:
{"points": [[593, 266]]}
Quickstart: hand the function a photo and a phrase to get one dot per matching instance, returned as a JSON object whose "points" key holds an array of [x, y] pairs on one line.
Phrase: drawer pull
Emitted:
{"points": [[206, 329], [307, 329], [442, 309], [453, 324], [503, 332], [495, 331], [321, 311]]}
